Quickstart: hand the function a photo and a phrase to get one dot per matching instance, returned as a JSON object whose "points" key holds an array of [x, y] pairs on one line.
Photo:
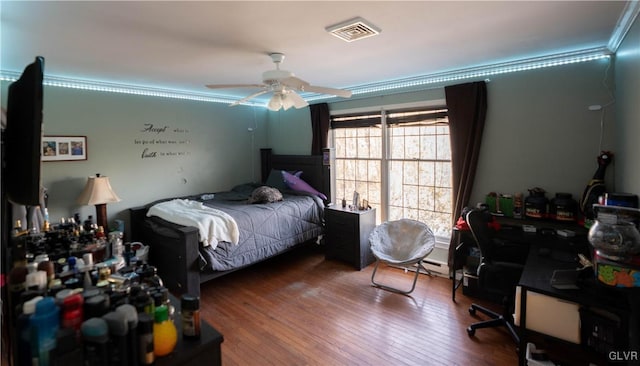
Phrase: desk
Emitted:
{"points": [[198, 352], [511, 231], [202, 351], [592, 296]]}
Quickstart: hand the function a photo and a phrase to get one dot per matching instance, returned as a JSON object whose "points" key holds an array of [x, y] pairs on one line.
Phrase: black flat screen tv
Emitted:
{"points": [[23, 136]]}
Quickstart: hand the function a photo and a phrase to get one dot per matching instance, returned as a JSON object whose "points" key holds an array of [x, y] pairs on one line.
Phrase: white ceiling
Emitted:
{"points": [[184, 45]]}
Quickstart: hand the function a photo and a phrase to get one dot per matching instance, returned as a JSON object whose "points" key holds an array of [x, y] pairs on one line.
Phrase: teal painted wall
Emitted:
{"points": [[539, 131], [627, 108], [205, 147], [289, 132]]}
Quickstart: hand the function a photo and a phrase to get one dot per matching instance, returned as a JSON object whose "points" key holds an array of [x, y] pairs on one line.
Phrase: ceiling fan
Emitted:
{"points": [[285, 87]]}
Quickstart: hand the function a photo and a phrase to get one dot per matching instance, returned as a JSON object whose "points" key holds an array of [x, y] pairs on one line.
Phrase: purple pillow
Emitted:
{"points": [[297, 184]]}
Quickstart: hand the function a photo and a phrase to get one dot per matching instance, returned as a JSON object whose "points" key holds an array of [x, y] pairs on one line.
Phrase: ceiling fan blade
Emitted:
{"points": [[297, 100], [301, 85], [233, 86], [247, 98], [324, 90], [295, 83]]}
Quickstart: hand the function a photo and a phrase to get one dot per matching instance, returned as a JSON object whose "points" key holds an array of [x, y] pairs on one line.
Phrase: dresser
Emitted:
{"points": [[347, 235]]}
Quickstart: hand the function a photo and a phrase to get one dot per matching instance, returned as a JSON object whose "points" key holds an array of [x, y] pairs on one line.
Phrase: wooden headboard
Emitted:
{"points": [[313, 167]]}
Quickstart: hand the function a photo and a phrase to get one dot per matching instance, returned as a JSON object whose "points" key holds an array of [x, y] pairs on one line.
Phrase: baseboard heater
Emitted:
{"points": [[437, 268]]}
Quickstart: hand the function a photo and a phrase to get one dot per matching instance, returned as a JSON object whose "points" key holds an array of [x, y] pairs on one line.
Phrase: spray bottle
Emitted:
{"points": [[45, 323]]}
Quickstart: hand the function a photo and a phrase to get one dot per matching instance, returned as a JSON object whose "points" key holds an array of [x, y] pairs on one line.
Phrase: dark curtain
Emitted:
{"points": [[320, 121], [467, 108]]}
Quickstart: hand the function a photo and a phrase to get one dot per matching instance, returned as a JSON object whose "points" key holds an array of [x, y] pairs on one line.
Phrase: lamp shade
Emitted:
{"points": [[97, 191]]}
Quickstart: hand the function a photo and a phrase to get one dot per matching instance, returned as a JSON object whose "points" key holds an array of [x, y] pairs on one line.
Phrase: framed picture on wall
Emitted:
{"points": [[64, 148]]}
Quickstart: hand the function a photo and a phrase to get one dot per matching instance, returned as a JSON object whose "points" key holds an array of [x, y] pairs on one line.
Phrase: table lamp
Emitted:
{"points": [[98, 192]]}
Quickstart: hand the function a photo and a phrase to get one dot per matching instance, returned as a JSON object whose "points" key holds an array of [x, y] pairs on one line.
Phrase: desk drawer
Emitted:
{"points": [[550, 315]]}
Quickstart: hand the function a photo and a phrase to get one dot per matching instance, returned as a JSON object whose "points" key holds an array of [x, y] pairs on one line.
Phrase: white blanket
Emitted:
{"points": [[213, 225]]}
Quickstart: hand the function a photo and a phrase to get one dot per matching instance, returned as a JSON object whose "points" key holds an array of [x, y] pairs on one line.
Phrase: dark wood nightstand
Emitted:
{"points": [[347, 235]]}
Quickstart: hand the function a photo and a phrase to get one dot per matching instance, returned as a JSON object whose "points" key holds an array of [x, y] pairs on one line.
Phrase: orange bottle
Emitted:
{"points": [[165, 334]]}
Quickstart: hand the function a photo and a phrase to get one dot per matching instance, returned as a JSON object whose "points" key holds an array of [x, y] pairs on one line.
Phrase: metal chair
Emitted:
{"points": [[402, 243]]}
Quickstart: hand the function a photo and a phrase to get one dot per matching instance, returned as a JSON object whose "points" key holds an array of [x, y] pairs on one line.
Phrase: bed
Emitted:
{"points": [[264, 229]]}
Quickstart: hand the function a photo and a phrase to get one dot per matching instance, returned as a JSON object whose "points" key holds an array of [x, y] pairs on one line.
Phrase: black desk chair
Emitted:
{"points": [[499, 272]]}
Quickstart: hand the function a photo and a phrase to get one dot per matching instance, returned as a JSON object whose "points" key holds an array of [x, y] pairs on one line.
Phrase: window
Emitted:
{"points": [[400, 161]]}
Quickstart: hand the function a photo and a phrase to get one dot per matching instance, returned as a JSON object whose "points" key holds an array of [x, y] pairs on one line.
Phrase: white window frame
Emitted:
{"points": [[441, 241]]}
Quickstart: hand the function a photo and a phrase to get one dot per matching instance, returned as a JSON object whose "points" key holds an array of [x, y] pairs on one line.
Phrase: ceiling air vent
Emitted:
{"points": [[353, 30]]}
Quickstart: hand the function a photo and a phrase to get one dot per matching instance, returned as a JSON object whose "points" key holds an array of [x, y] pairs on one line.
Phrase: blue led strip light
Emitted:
{"points": [[123, 88], [413, 83], [627, 19], [421, 82]]}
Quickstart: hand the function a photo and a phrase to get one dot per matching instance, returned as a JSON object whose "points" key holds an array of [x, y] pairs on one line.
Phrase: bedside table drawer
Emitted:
{"points": [[340, 249], [340, 242], [347, 235], [341, 222], [342, 229]]}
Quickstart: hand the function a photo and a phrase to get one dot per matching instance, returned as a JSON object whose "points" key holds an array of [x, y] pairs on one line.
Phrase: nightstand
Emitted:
{"points": [[347, 235]]}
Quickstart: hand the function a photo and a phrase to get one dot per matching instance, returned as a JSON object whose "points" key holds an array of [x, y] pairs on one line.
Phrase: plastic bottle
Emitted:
{"points": [[127, 254], [115, 241], [96, 306], [88, 223], [37, 281], [563, 207], [163, 294], [72, 312], [95, 337], [72, 277], [145, 339], [165, 334], [518, 206], [49, 268], [23, 330], [190, 306], [46, 226], [17, 283], [536, 204], [45, 323], [17, 229], [149, 275], [100, 233], [67, 341], [144, 303], [131, 316], [118, 331]]}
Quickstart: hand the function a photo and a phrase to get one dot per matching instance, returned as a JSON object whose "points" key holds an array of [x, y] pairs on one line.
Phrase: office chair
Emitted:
{"points": [[498, 273], [402, 243]]}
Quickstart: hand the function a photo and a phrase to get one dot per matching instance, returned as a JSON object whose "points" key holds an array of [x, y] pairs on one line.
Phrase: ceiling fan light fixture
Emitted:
{"points": [[353, 29], [297, 100], [283, 84], [287, 102], [275, 103]]}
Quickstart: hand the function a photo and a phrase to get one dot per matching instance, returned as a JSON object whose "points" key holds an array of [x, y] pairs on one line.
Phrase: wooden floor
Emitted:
{"points": [[300, 309]]}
